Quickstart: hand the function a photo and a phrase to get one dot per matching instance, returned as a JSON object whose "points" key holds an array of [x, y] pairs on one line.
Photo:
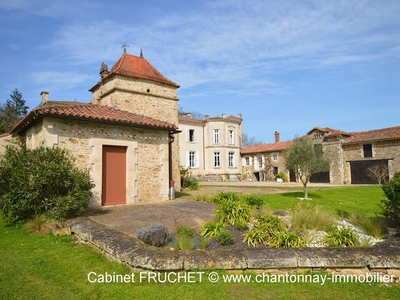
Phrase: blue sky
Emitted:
{"points": [[287, 66]]}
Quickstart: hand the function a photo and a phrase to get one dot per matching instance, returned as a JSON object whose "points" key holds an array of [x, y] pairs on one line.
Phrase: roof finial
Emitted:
{"points": [[141, 53], [125, 46]]}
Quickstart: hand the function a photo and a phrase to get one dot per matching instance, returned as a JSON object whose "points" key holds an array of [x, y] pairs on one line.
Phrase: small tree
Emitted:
{"points": [[378, 172], [305, 159]]}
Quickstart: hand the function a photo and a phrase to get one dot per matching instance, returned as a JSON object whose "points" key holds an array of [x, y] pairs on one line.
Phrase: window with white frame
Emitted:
{"points": [[275, 157], [216, 136], [192, 159], [217, 159], [247, 161], [231, 159], [231, 137], [260, 160]]}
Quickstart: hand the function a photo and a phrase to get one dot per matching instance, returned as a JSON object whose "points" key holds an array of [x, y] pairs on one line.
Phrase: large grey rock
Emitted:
{"points": [[155, 235]]}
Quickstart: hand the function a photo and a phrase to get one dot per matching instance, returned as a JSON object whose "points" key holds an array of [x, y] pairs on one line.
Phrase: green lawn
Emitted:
{"points": [[53, 267], [340, 200]]}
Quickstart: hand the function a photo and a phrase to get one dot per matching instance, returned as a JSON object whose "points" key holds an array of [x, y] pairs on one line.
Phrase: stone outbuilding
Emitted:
{"points": [[354, 156], [124, 136]]}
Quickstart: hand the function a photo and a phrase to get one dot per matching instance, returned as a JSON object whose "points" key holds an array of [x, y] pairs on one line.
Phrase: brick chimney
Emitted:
{"points": [[277, 138], [45, 97]]}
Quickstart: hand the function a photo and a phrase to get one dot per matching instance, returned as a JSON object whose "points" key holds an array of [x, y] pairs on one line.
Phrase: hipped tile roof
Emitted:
{"points": [[279, 146], [90, 112], [139, 67]]}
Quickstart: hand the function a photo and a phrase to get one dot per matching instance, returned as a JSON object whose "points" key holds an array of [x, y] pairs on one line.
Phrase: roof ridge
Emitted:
{"points": [[379, 129]]}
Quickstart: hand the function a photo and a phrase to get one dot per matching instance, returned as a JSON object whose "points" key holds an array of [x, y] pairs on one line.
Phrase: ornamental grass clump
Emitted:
{"points": [[370, 226], [286, 239], [340, 237], [211, 229], [310, 217], [225, 196], [232, 212], [263, 230], [254, 202], [184, 238]]}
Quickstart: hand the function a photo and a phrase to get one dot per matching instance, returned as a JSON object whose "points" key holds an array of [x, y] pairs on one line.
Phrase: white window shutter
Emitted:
{"points": [[187, 159], [250, 160], [197, 160], [196, 135], [187, 135]]}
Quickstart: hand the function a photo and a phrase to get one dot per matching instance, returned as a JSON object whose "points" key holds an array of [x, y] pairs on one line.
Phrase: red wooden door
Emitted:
{"points": [[114, 175]]}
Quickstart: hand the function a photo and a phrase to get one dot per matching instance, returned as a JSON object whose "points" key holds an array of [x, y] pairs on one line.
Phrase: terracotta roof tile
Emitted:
{"points": [[390, 133], [91, 112], [329, 131], [267, 147], [191, 120], [139, 67]]}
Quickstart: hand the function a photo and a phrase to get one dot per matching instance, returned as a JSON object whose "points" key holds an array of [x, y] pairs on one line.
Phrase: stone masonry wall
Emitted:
{"points": [[333, 148], [148, 148], [142, 97], [380, 150]]}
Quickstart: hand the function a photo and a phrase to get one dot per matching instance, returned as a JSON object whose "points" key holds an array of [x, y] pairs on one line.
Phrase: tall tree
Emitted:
{"points": [[193, 114], [305, 158], [249, 141], [12, 111]]}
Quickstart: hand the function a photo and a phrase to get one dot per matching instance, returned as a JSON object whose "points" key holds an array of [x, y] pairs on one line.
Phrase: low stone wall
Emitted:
{"points": [[383, 258]]}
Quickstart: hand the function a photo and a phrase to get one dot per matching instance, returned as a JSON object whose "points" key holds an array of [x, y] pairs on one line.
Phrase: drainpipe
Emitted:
{"points": [[171, 190]]}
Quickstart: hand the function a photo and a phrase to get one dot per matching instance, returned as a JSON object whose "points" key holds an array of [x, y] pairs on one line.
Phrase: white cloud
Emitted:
{"points": [[58, 79]]}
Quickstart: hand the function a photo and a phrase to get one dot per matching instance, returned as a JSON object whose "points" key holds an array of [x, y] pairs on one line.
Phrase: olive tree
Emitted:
{"points": [[305, 158]]}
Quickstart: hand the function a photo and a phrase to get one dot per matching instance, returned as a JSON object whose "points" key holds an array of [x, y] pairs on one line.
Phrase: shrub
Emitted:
{"points": [[340, 237], [189, 183], [281, 175], [41, 181], [391, 205], [231, 212], [225, 238], [155, 235], [211, 229]]}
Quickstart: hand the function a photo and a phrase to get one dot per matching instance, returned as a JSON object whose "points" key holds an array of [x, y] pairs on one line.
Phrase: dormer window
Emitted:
{"points": [[367, 149]]}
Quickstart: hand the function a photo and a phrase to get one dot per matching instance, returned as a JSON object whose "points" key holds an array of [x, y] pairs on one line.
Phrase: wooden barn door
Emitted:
{"points": [[114, 175]]}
